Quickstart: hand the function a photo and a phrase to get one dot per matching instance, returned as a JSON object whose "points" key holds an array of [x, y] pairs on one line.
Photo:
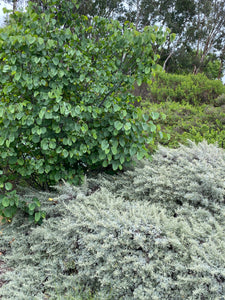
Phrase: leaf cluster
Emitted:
{"points": [[11, 202]]}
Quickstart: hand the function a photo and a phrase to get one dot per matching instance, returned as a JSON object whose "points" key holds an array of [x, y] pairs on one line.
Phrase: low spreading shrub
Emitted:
{"points": [[195, 89], [194, 174], [155, 232]]}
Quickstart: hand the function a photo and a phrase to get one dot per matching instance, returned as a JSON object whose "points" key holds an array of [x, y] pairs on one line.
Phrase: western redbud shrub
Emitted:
{"points": [[65, 106]]}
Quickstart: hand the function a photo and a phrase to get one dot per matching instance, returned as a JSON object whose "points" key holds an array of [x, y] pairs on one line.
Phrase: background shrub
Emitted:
{"points": [[185, 122], [153, 241], [194, 89]]}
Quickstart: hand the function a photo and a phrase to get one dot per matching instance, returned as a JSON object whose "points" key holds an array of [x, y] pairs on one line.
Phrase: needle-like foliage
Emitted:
{"points": [[154, 242]]}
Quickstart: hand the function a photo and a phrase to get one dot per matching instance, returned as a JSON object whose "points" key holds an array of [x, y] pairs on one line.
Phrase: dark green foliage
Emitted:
{"points": [[64, 106], [10, 202], [137, 237], [187, 122], [195, 89], [88, 8], [213, 68]]}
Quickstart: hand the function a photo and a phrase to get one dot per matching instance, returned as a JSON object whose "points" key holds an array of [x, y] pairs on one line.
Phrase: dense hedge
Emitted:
{"points": [[195, 89], [155, 232]]}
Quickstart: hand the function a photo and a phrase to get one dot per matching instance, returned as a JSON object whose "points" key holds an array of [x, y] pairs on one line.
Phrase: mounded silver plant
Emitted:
{"points": [[120, 241], [193, 174]]}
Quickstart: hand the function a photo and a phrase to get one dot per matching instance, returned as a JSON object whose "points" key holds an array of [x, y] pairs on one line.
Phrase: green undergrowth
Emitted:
{"points": [[155, 231], [185, 122]]}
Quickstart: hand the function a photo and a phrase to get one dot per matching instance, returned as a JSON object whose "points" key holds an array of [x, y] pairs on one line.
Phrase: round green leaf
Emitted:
{"points": [[104, 145], [5, 202], [52, 145], [133, 151], [139, 81], [114, 150], [17, 76], [44, 145], [32, 206], [8, 186], [65, 153], [115, 165], [37, 216], [155, 115], [55, 61], [118, 125], [140, 155], [127, 126]]}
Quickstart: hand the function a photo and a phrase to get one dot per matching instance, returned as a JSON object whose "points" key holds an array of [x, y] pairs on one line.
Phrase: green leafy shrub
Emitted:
{"points": [[205, 132], [195, 89], [213, 69], [64, 101], [185, 122], [117, 236], [64, 106]]}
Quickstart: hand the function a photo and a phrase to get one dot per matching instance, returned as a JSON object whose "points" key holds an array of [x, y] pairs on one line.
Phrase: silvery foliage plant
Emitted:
{"points": [[129, 236]]}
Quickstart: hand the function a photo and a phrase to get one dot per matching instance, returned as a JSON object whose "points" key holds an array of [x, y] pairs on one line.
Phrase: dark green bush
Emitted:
{"points": [[195, 89], [64, 106], [155, 232], [64, 101]]}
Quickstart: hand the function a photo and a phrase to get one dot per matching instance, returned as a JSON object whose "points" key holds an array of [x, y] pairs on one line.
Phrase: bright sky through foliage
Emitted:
{"points": [[2, 16]]}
